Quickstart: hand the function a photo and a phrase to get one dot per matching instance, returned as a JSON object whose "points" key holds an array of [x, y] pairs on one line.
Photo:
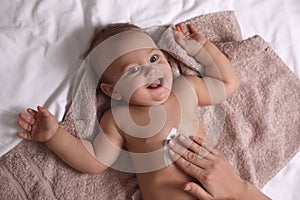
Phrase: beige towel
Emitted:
{"points": [[262, 127], [260, 135]]}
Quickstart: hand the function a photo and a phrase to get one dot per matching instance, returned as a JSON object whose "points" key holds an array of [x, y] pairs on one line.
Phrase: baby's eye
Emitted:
{"points": [[154, 58], [134, 70]]}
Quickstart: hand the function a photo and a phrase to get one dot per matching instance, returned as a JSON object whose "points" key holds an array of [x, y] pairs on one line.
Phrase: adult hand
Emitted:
{"points": [[196, 158]]}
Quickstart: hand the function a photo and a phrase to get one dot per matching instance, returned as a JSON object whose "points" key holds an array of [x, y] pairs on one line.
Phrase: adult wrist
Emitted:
{"points": [[252, 193], [247, 191]]}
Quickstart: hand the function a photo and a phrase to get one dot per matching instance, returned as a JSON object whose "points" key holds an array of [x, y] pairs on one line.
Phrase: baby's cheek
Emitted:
{"points": [[165, 62]]}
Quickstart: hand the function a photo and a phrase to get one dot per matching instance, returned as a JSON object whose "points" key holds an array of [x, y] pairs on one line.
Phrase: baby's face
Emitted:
{"points": [[142, 77]]}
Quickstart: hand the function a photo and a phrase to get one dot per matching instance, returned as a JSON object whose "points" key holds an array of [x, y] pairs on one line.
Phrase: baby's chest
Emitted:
{"points": [[150, 135]]}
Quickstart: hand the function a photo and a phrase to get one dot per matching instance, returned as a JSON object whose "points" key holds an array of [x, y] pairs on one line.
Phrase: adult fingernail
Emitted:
{"points": [[171, 143], [172, 153], [182, 137], [187, 188]]}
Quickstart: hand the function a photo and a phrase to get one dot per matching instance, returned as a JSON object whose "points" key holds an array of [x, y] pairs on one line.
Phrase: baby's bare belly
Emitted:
{"points": [[167, 182], [163, 184]]}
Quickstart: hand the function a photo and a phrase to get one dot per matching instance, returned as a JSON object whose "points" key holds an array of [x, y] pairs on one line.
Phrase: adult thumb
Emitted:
{"points": [[197, 191]]}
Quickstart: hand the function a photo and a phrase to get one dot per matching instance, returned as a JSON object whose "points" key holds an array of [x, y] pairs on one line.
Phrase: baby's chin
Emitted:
{"points": [[158, 100], [161, 99]]}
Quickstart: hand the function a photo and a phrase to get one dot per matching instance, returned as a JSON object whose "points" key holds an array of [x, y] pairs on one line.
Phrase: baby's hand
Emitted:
{"points": [[191, 41], [40, 125]]}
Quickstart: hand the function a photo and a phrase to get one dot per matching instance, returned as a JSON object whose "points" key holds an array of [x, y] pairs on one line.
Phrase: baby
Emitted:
{"points": [[152, 103]]}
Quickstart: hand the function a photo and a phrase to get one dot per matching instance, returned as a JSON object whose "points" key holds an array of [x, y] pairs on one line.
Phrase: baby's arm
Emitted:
{"points": [[220, 80], [42, 126]]}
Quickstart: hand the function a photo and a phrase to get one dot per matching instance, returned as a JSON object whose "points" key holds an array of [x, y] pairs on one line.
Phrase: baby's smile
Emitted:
{"points": [[156, 84]]}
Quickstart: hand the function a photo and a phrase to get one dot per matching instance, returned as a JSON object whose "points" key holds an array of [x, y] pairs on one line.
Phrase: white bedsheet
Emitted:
{"points": [[41, 41]]}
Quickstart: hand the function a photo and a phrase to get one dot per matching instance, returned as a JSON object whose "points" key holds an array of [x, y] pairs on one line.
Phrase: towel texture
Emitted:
{"points": [[260, 134]]}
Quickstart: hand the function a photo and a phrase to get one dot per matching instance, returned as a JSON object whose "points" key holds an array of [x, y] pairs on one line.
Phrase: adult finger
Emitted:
{"points": [[196, 159], [186, 166], [196, 147], [188, 154], [197, 191], [206, 145], [178, 149]]}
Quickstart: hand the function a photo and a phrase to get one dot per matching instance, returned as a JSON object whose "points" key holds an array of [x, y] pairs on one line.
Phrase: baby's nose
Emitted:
{"points": [[150, 71]]}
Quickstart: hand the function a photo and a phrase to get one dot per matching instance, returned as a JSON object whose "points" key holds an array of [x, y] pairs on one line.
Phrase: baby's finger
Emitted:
{"points": [[183, 29], [179, 38], [32, 112], [192, 28], [178, 35], [30, 120], [24, 135], [24, 125], [178, 28], [44, 111]]}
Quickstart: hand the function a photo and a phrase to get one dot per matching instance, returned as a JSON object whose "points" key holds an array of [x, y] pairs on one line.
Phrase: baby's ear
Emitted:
{"points": [[108, 89]]}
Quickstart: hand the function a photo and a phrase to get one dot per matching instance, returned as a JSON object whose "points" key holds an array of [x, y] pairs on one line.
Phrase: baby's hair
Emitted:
{"points": [[102, 34], [99, 36]]}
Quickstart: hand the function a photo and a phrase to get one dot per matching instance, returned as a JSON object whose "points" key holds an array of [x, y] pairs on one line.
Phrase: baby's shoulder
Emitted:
{"points": [[186, 83], [186, 80], [108, 121], [109, 116]]}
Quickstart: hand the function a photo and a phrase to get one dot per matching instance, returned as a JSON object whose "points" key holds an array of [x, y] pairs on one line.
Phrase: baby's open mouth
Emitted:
{"points": [[156, 84]]}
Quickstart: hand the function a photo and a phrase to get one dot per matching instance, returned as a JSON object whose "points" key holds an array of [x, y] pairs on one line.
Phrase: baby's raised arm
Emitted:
{"points": [[41, 126], [220, 80]]}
